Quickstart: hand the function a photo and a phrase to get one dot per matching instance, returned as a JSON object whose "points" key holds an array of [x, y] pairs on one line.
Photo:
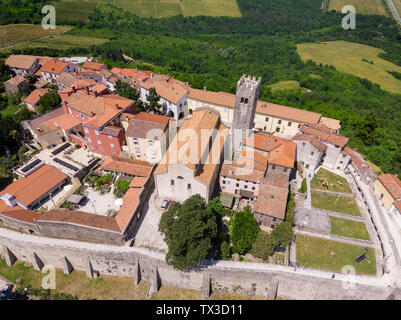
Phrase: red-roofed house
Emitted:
{"points": [[32, 101], [22, 64], [53, 68]]}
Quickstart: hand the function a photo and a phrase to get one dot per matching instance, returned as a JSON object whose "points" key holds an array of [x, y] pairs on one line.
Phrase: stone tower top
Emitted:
{"points": [[245, 108]]}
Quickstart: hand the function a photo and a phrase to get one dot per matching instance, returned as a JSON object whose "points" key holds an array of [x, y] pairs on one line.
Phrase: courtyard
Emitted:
{"points": [[101, 204], [328, 181]]}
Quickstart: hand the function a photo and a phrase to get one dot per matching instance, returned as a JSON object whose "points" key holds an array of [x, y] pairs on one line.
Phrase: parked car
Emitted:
{"points": [[165, 204], [6, 290]]}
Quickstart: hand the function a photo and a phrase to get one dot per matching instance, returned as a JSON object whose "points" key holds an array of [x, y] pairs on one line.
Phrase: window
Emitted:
{"points": [[137, 150], [303, 143], [267, 119], [172, 183], [274, 219], [299, 126], [189, 186], [99, 142], [228, 182], [289, 124], [285, 169], [274, 167], [253, 188], [112, 145], [89, 140], [96, 132], [341, 162], [224, 181], [110, 137], [277, 129], [86, 130], [312, 153], [246, 187], [101, 149], [114, 152], [237, 185], [82, 116], [279, 122]]}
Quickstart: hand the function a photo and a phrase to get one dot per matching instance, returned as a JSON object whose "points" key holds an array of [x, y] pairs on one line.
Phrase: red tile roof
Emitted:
{"points": [[35, 96], [28, 190], [20, 61], [280, 151], [130, 203], [93, 66], [322, 134], [392, 184], [127, 166], [81, 218], [54, 66]]}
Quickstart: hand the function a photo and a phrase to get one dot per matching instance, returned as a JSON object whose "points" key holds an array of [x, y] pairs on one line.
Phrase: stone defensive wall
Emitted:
{"points": [[212, 276]]}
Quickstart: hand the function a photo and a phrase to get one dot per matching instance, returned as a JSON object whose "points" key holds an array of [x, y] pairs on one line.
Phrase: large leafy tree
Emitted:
{"points": [[264, 245], [48, 102], [189, 229], [126, 91], [153, 100], [283, 234], [244, 231]]}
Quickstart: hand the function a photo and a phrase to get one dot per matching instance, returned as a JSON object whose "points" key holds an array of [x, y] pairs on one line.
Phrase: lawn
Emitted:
{"points": [[13, 34], [80, 10], [106, 287], [348, 228], [361, 6], [348, 57], [285, 85], [316, 253], [335, 203], [328, 181]]}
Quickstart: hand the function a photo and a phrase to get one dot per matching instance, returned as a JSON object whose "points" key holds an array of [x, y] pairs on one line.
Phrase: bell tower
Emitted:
{"points": [[244, 112]]}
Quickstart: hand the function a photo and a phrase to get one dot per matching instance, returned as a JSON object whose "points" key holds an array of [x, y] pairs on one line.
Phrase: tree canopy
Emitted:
{"points": [[244, 231], [48, 102], [189, 229]]}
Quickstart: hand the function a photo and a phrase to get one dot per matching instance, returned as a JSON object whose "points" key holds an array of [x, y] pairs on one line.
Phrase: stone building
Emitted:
{"points": [[53, 68], [16, 84], [310, 151], [261, 174], [147, 136], [244, 111], [23, 64], [337, 155], [192, 163]]}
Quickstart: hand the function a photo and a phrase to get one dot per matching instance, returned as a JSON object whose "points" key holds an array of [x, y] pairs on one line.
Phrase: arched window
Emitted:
{"points": [[246, 100]]}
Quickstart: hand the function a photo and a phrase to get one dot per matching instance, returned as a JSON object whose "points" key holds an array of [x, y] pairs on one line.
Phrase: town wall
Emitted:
{"points": [[225, 276]]}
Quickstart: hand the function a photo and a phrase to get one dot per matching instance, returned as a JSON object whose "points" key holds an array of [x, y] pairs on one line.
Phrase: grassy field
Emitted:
{"points": [[328, 181], [361, 6], [13, 34], [285, 85], [348, 57], [348, 228], [335, 203], [80, 10], [105, 287], [315, 253]]}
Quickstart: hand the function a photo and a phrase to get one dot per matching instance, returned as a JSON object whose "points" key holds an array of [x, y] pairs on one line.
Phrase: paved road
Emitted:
{"points": [[395, 11]]}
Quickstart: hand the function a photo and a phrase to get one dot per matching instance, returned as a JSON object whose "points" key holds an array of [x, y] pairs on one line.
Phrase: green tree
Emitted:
{"points": [[189, 230], [217, 207], [304, 187], [365, 129], [264, 245], [5, 165], [283, 234], [153, 101], [225, 250], [126, 91], [244, 231], [48, 102], [289, 214], [121, 187]]}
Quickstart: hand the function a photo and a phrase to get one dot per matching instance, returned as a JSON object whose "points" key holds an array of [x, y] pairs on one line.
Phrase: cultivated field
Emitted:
{"points": [[353, 58], [80, 10], [13, 34], [361, 6]]}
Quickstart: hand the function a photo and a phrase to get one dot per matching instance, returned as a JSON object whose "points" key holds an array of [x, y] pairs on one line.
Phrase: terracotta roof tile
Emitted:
{"points": [[16, 80], [81, 218], [138, 182], [35, 96], [20, 61], [333, 124], [54, 66], [392, 184], [140, 129], [93, 66], [22, 215], [323, 135], [130, 203], [127, 166], [28, 190]]}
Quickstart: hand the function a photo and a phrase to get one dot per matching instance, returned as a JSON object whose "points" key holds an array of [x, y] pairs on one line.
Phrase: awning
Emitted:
{"points": [[75, 199]]}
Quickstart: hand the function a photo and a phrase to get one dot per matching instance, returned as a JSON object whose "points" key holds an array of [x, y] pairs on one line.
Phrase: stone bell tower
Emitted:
{"points": [[244, 113]]}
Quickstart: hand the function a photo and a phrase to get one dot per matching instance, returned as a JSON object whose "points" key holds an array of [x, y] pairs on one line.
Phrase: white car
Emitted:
{"points": [[165, 204]]}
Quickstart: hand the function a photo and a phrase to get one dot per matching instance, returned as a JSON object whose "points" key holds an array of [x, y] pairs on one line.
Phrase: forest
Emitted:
{"points": [[215, 52]]}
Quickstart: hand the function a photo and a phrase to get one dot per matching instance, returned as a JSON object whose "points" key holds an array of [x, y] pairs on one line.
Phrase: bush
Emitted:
{"points": [[289, 215], [244, 231], [264, 245], [304, 187], [121, 187]]}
